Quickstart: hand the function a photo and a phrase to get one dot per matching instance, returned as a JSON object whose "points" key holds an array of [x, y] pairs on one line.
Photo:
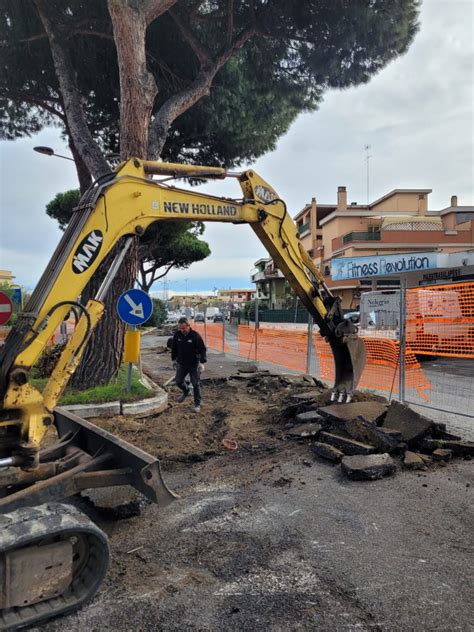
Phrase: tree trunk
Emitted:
{"points": [[103, 355], [137, 86], [83, 174]]}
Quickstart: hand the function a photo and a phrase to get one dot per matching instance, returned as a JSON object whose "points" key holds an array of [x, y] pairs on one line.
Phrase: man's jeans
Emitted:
{"points": [[181, 372]]}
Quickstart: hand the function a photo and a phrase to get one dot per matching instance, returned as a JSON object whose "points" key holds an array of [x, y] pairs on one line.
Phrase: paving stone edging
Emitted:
{"points": [[150, 405]]}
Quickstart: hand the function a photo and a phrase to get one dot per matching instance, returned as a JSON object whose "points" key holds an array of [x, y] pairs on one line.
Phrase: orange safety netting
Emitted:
{"points": [[381, 371], [288, 348], [213, 336], [440, 320], [280, 346]]}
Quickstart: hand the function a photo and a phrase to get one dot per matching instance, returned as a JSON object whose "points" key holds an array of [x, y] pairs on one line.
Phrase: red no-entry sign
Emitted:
{"points": [[6, 308]]}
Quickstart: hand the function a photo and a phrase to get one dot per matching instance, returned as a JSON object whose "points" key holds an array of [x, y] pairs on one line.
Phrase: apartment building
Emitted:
{"points": [[271, 286], [400, 222], [6, 276], [236, 297]]}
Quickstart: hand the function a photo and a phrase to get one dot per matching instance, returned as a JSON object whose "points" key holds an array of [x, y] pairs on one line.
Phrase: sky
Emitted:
{"points": [[416, 115]]}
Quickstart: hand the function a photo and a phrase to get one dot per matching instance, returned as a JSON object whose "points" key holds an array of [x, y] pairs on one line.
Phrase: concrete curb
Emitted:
{"points": [[148, 406], [110, 409]]}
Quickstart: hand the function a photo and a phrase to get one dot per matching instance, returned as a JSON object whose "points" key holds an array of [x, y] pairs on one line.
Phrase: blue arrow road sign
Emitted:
{"points": [[16, 296], [134, 307]]}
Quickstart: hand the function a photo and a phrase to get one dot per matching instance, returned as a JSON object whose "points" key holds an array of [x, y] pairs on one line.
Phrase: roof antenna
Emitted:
{"points": [[368, 156]]}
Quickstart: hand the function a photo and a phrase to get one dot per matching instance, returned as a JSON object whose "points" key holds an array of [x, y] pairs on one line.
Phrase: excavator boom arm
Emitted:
{"points": [[124, 205]]}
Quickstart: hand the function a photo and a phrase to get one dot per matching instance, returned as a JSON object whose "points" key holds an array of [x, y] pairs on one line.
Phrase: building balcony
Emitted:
{"points": [[266, 274], [303, 229], [401, 238]]}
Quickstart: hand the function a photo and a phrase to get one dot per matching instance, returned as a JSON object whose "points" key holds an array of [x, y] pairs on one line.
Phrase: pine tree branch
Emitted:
{"points": [[230, 21], [202, 53], [71, 96], [42, 103], [186, 98], [156, 8]]}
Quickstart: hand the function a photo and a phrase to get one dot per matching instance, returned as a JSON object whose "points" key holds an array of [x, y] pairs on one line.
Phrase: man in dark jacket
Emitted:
{"points": [[188, 351]]}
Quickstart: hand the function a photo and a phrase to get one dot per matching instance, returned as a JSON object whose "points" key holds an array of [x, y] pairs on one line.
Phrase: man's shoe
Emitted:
{"points": [[182, 397], [197, 409]]}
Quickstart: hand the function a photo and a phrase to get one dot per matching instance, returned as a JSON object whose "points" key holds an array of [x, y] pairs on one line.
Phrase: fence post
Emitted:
{"points": [[309, 344], [256, 326], [402, 340]]}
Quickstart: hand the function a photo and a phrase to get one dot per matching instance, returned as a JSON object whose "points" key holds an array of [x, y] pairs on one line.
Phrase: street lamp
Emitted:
{"points": [[49, 151]]}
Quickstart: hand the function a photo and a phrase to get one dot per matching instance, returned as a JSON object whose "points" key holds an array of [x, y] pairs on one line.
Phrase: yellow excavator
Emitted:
{"points": [[52, 557]]}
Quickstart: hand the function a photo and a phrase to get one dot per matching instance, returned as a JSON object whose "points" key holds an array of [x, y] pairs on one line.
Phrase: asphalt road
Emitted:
{"points": [[278, 541], [263, 542]]}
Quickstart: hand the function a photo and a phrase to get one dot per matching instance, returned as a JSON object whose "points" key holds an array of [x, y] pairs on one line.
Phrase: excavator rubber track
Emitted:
{"points": [[52, 561]]}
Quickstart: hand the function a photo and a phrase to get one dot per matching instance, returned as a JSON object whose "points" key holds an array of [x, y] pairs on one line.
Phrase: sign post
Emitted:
{"points": [[134, 308], [6, 308]]}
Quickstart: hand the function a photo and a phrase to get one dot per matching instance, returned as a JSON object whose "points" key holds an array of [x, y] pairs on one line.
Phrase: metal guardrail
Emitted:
{"points": [[303, 228], [361, 236]]}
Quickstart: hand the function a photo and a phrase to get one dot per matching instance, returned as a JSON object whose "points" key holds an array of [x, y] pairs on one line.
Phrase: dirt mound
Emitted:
{"points": [[249, 411]]}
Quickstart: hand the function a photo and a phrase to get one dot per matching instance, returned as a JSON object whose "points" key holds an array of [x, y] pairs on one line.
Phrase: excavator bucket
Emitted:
{"points": [[85, 457], [350, 356]]}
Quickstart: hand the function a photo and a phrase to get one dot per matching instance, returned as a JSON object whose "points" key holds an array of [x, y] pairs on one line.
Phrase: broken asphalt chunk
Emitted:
{"points": [[369, 467], [326, 451], [309, 417], [247, 367], [348, 446], [302, 397], [366, 431], [409, 423], [442, 454], [342, 413], [413, 461], [305, 430], [461, 448]]}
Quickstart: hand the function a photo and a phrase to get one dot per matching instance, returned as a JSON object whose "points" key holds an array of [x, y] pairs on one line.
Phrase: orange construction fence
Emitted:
{"points": [[440, 320], [288, 348], [381, 371], [213, 336], [280, 346]]}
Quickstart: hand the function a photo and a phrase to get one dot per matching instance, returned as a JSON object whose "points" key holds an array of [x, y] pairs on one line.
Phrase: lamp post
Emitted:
{"points": [[49, 151], [186, 288]]}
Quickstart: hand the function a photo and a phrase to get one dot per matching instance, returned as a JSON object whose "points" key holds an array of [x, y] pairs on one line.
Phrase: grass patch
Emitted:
{"points": [[116, 390]]}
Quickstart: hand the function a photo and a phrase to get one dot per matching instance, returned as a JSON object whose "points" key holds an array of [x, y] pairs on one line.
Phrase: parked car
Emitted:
{"points": [[218, 318], [199, 318], [354, 317], [172, 318], [210, 313]]}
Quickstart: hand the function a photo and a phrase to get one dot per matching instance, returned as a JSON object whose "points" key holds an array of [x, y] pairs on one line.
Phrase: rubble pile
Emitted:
{"points": [[372, 439], [265, 384], [369, 438], [165, 330]]}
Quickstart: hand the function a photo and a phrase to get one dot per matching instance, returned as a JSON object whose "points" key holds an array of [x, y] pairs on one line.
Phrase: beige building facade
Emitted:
{"points": [[399, 222], [6, 277], [236, 296]]}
